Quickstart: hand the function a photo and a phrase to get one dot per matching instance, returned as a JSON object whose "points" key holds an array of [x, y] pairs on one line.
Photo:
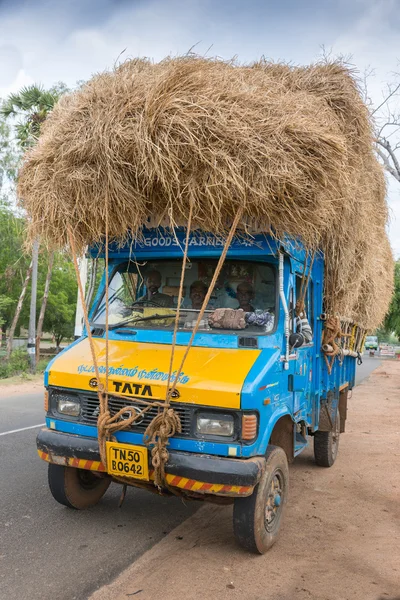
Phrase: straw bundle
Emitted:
{"points": [[292, 146]]}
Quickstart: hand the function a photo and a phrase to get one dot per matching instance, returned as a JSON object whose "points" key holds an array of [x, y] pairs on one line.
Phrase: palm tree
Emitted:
{"points": [[31, 107]]}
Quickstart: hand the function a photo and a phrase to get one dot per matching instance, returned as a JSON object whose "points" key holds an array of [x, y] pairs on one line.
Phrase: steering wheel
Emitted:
{"points": [[147, 302]]}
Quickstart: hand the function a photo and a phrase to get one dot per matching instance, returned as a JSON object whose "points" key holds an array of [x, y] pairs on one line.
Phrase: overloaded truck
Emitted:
{"points": [[225, 332]]}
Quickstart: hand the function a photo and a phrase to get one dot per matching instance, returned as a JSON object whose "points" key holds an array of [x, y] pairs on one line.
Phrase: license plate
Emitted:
{"points": [[126, 460]]}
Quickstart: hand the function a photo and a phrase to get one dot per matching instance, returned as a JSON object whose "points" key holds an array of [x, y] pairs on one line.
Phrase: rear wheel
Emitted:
{"points": [[257, 518], [76, 488], [326, 444]]}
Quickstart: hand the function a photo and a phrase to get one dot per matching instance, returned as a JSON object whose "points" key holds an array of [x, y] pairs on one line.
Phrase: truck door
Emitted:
{"points": [[302, 378]]}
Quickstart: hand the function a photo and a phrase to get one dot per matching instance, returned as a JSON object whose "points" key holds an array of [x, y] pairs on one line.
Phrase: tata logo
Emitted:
{"points": [[134, 389], [128, 413], [93, 383]]}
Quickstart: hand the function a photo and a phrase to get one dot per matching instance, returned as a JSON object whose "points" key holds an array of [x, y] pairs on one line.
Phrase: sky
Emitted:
{"points": [[46, 41]]}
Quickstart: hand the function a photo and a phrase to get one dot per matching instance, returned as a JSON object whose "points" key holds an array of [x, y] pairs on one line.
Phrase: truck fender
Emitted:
{"points": [[280, 432]]}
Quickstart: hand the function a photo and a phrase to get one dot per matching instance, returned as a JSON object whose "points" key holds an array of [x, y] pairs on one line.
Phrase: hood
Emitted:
{"points": [[210, 376]]}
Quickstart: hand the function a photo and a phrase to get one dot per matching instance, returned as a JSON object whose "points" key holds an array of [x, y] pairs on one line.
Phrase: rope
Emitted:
{"points": [[167, 423], [106, 424], [332, 332], [180, 294], [300, 302], [162, 427], [208, 295]]}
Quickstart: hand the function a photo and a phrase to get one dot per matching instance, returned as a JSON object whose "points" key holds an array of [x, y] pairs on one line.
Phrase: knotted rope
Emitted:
{"points": [[332, 332]]}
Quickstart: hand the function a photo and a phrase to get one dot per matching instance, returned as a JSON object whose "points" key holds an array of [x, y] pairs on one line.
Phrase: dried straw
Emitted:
{"points": [[292, 146]]}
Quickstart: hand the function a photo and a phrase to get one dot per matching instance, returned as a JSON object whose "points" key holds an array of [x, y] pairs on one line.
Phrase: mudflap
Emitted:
{"points": [[327, 412]]}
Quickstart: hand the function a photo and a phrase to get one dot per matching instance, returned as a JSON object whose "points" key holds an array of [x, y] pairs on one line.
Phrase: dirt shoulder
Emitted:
{"points": [[27, 384], [340, 538]]}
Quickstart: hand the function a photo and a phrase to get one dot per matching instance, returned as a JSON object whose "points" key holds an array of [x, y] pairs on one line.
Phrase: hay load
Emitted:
{"points": [[292, 146]]}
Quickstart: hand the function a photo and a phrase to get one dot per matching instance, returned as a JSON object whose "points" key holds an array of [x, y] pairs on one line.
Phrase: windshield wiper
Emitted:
{"points": [[139, 319]]}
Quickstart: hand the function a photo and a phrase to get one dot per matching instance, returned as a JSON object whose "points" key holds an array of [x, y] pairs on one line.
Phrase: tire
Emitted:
{"points": [[257, 518], [76, 488], [326, 444]]}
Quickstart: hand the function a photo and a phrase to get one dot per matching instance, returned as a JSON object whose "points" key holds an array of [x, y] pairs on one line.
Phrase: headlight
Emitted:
{"points": [[66, 404], [212, 424]]}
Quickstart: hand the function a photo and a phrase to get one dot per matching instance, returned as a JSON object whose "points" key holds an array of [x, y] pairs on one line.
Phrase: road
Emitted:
{"points": [[50, 552]]}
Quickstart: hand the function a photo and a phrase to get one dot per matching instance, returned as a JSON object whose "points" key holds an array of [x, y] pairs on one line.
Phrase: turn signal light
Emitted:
{"points": [[249, 427], [46, 401]]}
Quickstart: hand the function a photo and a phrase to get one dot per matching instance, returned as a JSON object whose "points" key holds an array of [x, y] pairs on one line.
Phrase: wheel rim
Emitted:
{"points": [[335, 437], [87, 480], [274, 501]]}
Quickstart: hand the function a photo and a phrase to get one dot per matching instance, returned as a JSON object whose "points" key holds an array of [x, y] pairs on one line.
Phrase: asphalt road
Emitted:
{"points": [[49, 552]]}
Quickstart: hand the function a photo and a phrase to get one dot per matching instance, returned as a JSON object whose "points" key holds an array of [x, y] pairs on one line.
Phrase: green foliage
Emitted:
{"points": [[31, 105], [14, 261], [17, 365], [392, 320], [42, 364], [61, 304], [5, 303], [9, 153], [386, 336]]}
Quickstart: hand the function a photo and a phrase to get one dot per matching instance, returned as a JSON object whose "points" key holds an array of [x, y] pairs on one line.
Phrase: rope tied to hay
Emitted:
{"points": [[332, 332], [300, 308]]}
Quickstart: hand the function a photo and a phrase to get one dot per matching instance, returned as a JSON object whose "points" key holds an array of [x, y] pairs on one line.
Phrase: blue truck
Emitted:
{"points": [[249, 399]]}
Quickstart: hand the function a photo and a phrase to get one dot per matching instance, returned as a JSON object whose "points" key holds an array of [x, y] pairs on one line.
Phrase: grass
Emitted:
{"points": [[18, 367]]}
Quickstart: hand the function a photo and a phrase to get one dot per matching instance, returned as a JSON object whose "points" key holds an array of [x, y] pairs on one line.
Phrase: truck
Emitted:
{"points": [[371, 342], [250, 399]]}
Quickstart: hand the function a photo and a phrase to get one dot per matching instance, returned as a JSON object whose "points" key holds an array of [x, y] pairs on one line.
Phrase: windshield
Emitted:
{"points": [[146, 296], [371, 338]]}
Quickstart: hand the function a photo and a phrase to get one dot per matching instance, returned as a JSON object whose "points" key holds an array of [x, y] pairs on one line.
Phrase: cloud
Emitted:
{"points": [[47, 41], [11, 64]]}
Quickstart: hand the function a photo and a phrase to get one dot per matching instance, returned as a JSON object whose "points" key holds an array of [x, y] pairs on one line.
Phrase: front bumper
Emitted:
{"points": [[191, 473]]}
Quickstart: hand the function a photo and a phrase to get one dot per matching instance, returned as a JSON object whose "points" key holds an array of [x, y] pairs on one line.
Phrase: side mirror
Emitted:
{"points": [[296, 340]]}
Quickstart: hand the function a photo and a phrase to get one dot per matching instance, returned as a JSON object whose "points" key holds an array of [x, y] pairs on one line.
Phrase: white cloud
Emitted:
{"points": [[70, 41]]}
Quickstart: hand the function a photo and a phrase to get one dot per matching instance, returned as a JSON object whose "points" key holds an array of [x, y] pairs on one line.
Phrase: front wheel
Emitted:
{"points": [[76, 488], [326, 444], [257, 518]]}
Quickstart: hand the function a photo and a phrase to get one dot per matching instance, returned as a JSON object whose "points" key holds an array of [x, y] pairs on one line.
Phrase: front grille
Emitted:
{"points": [[90, 412]]}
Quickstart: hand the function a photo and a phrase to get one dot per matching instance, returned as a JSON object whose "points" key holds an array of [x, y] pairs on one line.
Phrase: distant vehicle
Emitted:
{"points": [[371, 342]]}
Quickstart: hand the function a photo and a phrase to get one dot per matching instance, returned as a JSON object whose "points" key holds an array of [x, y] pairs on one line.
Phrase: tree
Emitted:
{"points": [[44, 304], [30, 108], [387, 119], [392, 320], [4, 303], [61, 304]]}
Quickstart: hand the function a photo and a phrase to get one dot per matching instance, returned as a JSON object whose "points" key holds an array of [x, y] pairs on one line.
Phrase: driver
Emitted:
{"points": [[197, 293], [153, 282]]}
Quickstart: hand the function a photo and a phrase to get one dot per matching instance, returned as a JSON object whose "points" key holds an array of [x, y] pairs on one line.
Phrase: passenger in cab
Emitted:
{"points": [[244, 295], [153, 282]]}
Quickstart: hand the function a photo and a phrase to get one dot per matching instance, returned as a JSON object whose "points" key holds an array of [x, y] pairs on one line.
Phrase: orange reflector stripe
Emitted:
{"points": [[172, 480], [46, 401]]}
